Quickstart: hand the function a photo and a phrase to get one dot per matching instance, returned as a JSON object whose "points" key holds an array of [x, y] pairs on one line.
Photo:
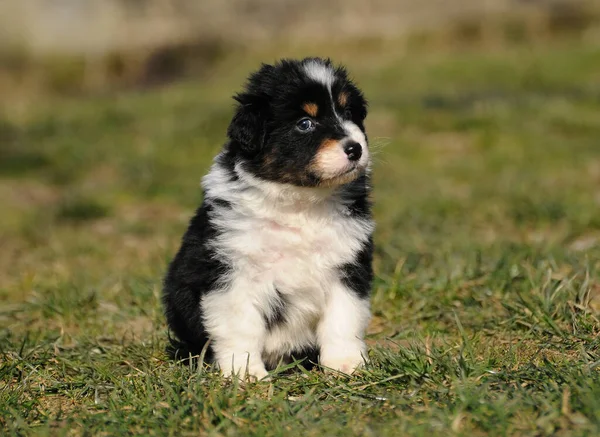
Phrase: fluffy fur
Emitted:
{"points": [[276, 263]]}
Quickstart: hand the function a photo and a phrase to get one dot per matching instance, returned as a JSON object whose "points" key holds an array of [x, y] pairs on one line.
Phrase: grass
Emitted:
{"points": [[487, 298]]}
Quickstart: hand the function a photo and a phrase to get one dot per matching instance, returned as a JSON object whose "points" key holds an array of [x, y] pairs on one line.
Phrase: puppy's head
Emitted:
{"points": [[301, 123]]}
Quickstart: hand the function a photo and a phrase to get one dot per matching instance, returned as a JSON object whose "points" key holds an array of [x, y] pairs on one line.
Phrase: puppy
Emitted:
{"points": [[276, 263]]}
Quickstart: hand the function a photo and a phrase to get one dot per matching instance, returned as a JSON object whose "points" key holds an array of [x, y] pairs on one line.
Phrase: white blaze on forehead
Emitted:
{"points": [[320, 73], [325, 75]]}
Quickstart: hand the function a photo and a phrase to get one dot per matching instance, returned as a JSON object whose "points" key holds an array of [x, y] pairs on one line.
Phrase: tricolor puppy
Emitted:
{"points": [[276, 263]]}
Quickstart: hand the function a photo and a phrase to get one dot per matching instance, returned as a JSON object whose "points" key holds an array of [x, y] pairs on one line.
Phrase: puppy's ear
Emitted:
{"points": [[247, 129]]}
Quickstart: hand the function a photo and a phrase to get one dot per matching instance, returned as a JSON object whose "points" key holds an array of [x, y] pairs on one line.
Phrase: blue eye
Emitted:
{"points": [[305, 124]]}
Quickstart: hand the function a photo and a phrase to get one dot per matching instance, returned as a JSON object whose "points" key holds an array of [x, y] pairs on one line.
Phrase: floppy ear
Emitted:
{"points": [[247, 128]]}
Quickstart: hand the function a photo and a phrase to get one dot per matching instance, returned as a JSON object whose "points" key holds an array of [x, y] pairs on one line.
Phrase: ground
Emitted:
{"points": [[487, 293]]}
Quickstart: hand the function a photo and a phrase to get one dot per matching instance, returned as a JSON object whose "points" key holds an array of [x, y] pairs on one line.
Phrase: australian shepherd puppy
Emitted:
{"points": [[276, 263]]}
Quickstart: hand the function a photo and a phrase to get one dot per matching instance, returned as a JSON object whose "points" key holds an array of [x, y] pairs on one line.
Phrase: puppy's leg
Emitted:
{"points": [[342, 328], [237, 331]]}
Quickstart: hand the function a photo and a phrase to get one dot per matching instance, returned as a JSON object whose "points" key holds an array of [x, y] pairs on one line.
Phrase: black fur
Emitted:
{"points": [[195, 270], [276, 315], [309, 357], [356, 193], [259, 131], [358, 275]]}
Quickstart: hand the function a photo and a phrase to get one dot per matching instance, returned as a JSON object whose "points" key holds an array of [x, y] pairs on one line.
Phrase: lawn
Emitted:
{"points": [[486, 301]]}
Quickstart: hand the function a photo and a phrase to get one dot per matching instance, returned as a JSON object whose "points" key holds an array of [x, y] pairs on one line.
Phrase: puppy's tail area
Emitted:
{"points": [[176, 350], [187, 354]]}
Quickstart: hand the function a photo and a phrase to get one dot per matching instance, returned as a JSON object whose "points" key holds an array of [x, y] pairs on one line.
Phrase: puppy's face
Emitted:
{"points": [[301, 123]]}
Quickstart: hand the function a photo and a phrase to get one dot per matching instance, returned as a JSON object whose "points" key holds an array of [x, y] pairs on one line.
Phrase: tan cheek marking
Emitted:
{"points": [[268, 160], [311, 109], [343, 99], [323, 155], [328, 144]]}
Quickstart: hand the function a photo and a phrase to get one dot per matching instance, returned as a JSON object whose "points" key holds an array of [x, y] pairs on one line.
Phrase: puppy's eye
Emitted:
{"points": [[305, 125], [347, 114]]}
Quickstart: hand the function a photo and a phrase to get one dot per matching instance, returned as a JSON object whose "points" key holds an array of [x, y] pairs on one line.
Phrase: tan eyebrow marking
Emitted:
{"points": [[343, 98], [311, 109]]}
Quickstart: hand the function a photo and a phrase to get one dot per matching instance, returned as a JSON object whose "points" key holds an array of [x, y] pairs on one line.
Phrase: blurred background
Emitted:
{"points": [[68, 46]]}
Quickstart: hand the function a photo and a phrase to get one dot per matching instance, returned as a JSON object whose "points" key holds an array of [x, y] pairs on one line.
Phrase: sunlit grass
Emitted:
{"points": [[487, 296]]}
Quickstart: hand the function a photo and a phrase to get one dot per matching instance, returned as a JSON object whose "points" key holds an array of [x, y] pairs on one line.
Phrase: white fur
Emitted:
{"points": [[289, 239], [354, 133], [325, 75], [332, 161], [340, 337], [320, 73]]}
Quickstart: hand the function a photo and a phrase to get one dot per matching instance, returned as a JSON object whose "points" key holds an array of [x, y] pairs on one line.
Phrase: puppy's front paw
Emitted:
{"points": [[252, 373], [258, 374], [347, 363]]}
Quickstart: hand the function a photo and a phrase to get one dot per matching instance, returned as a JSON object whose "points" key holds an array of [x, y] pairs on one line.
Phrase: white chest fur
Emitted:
{"points": [[282, 244], [293, 247], [286, 235], [285, 246]]}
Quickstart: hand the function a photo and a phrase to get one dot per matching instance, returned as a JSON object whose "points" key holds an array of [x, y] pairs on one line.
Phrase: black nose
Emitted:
{"points": [[353, 150]]}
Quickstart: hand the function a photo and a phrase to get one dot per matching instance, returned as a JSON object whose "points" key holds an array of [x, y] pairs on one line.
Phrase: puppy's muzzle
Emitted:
{"points": [[353, 150]]}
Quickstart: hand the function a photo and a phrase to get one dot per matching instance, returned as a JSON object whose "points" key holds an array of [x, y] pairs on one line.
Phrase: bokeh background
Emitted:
{"points": [[485, 125], [72, 45]]}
